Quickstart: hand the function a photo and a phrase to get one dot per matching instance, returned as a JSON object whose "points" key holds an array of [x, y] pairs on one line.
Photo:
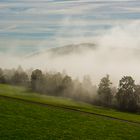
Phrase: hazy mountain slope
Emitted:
{"points": [[65, 50]]}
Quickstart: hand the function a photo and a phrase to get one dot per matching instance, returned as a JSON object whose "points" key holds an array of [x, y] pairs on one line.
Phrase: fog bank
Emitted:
{"points": [[116, 53]]}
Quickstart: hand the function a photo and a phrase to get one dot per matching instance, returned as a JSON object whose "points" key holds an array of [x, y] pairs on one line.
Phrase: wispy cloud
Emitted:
{"points": [[52, 23]]}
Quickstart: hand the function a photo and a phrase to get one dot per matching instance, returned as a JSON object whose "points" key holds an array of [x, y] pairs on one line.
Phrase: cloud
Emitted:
{"points": [[122, 36]]}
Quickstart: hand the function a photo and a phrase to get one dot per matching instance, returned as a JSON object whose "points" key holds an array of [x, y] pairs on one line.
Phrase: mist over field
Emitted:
{"points": [[70, 69], [79, 37]]}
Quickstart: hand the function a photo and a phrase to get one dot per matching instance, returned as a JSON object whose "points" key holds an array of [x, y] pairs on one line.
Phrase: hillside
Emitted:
{"points": [[20, 93], [22, 120], [65, 50]]}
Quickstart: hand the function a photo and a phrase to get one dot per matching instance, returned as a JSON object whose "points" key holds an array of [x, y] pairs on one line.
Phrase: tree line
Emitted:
{"points": [[126, 97]]}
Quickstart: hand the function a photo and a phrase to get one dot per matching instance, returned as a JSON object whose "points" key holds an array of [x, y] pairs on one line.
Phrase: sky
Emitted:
{"points": [[28, 26]]}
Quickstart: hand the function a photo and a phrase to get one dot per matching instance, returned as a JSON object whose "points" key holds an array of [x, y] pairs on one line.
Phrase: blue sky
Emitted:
{"points": [[27, 26]]}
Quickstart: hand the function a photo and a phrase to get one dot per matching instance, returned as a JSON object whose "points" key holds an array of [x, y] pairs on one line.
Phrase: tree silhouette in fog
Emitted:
{"points": [[104, 91], [127, 97], [36, 80]]}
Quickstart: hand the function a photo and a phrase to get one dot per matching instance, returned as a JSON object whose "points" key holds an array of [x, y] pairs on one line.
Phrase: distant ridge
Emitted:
{"points": [[67, 49]]}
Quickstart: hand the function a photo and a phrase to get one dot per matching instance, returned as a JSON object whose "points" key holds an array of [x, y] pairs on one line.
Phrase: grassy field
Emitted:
{"points": [[24, 121], [22, 93]]}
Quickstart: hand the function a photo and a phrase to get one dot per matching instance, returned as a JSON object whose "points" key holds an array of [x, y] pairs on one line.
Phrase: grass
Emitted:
{"points": [[24, 121], [22, 93]]}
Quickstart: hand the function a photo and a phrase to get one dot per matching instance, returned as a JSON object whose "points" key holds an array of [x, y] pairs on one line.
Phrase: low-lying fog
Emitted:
{"points": [[116, 53]]}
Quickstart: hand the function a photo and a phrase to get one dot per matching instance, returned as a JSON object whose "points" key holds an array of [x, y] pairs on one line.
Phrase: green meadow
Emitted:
{"points": [[24, 120]]}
